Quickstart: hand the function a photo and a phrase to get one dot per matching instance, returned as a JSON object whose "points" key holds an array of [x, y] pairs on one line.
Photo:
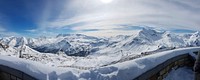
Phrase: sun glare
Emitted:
{"points": [[106, 1]]}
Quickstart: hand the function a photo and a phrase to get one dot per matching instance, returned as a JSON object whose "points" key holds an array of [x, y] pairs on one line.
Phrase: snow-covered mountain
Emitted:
{"points": [[71, 44], [82, 45], [149, 40], [118, 38], [83, 52], [194, 39]]}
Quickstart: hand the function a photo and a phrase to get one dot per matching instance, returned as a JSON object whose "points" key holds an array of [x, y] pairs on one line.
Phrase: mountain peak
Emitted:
{"points": [[196, 34], [148, 32], [147, 29], [64, 35], [151, 31]]}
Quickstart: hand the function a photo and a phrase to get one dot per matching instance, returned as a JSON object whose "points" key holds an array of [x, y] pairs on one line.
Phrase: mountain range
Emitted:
{"points": [[82, 45]]}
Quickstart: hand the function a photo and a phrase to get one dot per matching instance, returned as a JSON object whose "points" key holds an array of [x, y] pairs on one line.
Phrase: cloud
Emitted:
{"points": [[108, 33], [84, 15], [5, 32], [2, 29], [182, 31], [32, 30]]}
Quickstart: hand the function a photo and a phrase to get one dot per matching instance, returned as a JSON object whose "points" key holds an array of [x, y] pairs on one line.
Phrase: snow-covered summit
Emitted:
{"points": [[75, 36], [148, 39], [118, 38], [79, 51]]}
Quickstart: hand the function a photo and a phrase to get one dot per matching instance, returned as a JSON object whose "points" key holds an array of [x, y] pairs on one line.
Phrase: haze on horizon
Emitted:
{"points": [[96, 17]]}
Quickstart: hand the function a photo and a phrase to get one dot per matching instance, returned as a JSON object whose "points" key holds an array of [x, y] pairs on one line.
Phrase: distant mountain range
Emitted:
{"points": [[83, 45]]}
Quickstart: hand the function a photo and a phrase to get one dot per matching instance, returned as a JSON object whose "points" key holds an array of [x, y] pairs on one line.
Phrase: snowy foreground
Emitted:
{"points": [[181, 74], [120, 71]]}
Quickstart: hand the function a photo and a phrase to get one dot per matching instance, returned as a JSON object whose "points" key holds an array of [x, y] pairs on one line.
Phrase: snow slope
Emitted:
{"points": [[184, 73], [93, 51], [77, 56], [120, 71], [149, 40], [70, 44], [82, 45]]}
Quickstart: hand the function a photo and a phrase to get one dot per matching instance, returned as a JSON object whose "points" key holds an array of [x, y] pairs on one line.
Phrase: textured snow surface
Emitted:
{"points": [[121, 71], [184, 73], [32, 68], [77, 56]]}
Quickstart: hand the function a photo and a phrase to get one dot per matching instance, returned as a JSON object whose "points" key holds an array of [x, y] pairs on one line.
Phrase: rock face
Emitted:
{"points": [[4, 46]]}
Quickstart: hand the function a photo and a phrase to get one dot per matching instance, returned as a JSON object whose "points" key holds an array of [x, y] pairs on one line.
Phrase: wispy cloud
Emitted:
{"points": [[2, 29], [182, 31], [32, 30], [4, 32], [108, 33], [84, 15]]}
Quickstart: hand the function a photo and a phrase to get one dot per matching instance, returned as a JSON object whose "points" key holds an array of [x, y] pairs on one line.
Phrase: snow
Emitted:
{"points": [[77, 56], [131, 69], [184, 73], [38, 70], [150, 40], [30, 67], [82, 45], [121, 71]]}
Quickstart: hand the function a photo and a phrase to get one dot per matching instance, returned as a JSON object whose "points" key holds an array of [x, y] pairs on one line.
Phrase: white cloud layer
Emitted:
{"points": [[79, 15]]}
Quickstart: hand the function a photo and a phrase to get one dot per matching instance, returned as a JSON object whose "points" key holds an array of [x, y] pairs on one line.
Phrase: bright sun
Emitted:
{"points": [[106, 1]]}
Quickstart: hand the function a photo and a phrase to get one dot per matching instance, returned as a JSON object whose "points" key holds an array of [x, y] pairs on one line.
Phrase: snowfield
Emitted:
{"points": [[184, 73], [77, 56], [121, 71]]}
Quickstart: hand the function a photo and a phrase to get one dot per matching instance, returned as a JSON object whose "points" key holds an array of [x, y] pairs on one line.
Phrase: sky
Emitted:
{"points": [[32, 18]]}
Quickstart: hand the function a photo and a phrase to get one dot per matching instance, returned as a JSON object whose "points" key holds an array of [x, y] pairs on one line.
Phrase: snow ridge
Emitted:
{"points": [[147, 39]]}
